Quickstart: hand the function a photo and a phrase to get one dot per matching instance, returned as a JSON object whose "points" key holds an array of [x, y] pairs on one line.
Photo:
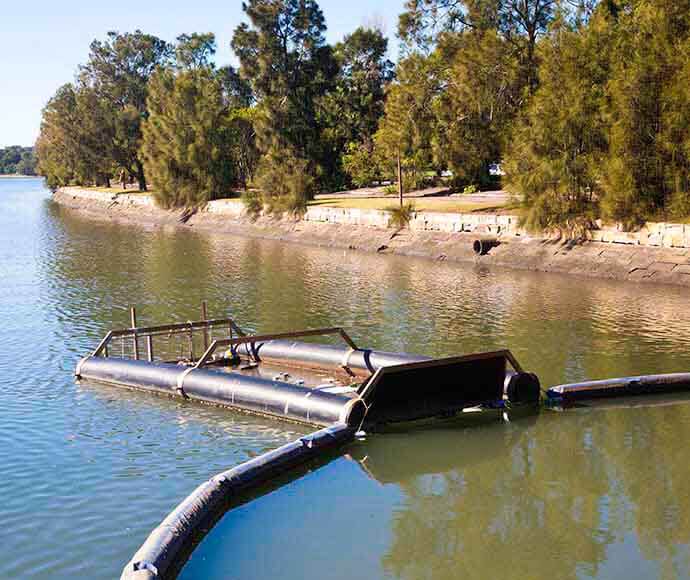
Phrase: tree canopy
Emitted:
{"points": [[584, 105], [17, 160]]}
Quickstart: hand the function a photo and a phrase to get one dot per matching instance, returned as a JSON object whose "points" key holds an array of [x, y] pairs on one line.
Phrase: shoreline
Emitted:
{"points": [[432, 236]]}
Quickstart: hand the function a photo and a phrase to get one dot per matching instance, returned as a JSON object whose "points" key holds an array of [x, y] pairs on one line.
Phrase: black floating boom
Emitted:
{"points": [[620, 387]]}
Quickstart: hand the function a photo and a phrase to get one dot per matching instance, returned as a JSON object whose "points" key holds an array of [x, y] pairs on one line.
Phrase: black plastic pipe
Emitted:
{"points": [[247, 393], [159, 555], [621, 387]]}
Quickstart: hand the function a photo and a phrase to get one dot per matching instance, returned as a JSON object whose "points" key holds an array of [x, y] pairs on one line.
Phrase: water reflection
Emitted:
{"points": [[577, 494], [541, 500], [588, 493]]}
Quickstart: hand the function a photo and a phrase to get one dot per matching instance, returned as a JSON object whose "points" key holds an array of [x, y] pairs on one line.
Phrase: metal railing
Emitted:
{"points": [[182, 339]]}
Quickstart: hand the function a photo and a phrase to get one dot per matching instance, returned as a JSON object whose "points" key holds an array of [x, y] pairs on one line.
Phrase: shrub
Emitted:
{"points": [[253, 203], [401, 215], [286, 183]]}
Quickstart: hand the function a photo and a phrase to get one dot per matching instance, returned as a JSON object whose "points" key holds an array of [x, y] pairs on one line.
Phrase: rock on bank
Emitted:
{"points": [[660, 253]]}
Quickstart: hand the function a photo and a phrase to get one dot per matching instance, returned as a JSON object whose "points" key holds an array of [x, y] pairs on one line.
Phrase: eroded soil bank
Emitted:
{"points": [[620, 261]]}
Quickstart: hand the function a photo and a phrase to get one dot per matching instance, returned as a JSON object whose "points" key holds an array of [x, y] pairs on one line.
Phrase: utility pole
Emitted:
{"points": [[400, 181]]}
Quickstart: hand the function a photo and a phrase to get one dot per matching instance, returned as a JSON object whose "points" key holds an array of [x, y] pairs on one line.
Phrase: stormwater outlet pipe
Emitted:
{"points": [[481, 246]]}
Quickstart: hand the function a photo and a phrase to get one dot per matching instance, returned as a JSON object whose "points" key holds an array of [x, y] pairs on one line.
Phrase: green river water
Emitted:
{"points": [[88, 471]]}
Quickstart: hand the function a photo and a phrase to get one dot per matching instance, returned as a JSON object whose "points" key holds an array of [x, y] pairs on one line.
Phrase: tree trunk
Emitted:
{"points": [[141, 178]]}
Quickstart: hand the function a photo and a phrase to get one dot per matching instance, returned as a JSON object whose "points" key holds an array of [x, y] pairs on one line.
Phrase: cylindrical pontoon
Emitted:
{"points": [[326, 355], [248, 393]]}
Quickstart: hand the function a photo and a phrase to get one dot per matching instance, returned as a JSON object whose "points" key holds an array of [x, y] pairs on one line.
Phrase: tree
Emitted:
{"points": [[27, 163], [188, 137], [118, 70], [648, 167], [557, 149], [95, 133], [361, 163], [351, 111], [195, 50], [477, 105], [521, 22], [57, 148], [407, 131], [16, 159], [238, 98], [284, 57]]}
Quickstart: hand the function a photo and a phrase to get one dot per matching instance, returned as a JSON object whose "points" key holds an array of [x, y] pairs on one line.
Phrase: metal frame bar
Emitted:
{"points": [[276, 336], [181, 326], [170, 329]]}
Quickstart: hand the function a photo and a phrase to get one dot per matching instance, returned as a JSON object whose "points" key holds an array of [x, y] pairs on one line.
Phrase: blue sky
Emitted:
{"points": [[42, 42]]}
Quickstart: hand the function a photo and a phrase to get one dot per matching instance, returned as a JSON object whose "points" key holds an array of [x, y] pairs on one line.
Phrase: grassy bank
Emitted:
{"points": [[435, 204]]}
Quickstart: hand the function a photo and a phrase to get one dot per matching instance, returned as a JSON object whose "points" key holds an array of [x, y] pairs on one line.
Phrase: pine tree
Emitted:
{"points": [[555, 154], [188, 138], [350, 112], [119, 70], [58, 147], [285, 58], [648, 168], [409, 126], [477, 105]]}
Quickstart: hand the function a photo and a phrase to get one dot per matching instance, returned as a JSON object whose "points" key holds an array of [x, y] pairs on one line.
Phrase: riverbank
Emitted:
{"points": [[659, 253]]}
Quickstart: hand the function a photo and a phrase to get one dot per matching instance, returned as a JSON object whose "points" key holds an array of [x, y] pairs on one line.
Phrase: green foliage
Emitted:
{"points": [[19, 160], [194, 51], [285, 59], [253, 203], [472, 188], [606, 132], [361, 164], [476, 107], [188, 138], [118, 70], [285, 182], [648, 168], [350, 112], [408, 128], [587, 109], [58, 147], [559, 144], [401, 215], [428, 23]]}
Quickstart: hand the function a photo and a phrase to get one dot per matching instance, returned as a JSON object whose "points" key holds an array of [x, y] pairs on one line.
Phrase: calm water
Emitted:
{"points": [[88, 471]]}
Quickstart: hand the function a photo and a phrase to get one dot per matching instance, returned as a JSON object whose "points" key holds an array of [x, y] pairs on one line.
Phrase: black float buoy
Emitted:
{"points": [[522, 388]]}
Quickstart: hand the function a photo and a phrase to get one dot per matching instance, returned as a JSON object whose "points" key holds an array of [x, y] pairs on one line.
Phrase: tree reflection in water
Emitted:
{"points": [[539, 498]]}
